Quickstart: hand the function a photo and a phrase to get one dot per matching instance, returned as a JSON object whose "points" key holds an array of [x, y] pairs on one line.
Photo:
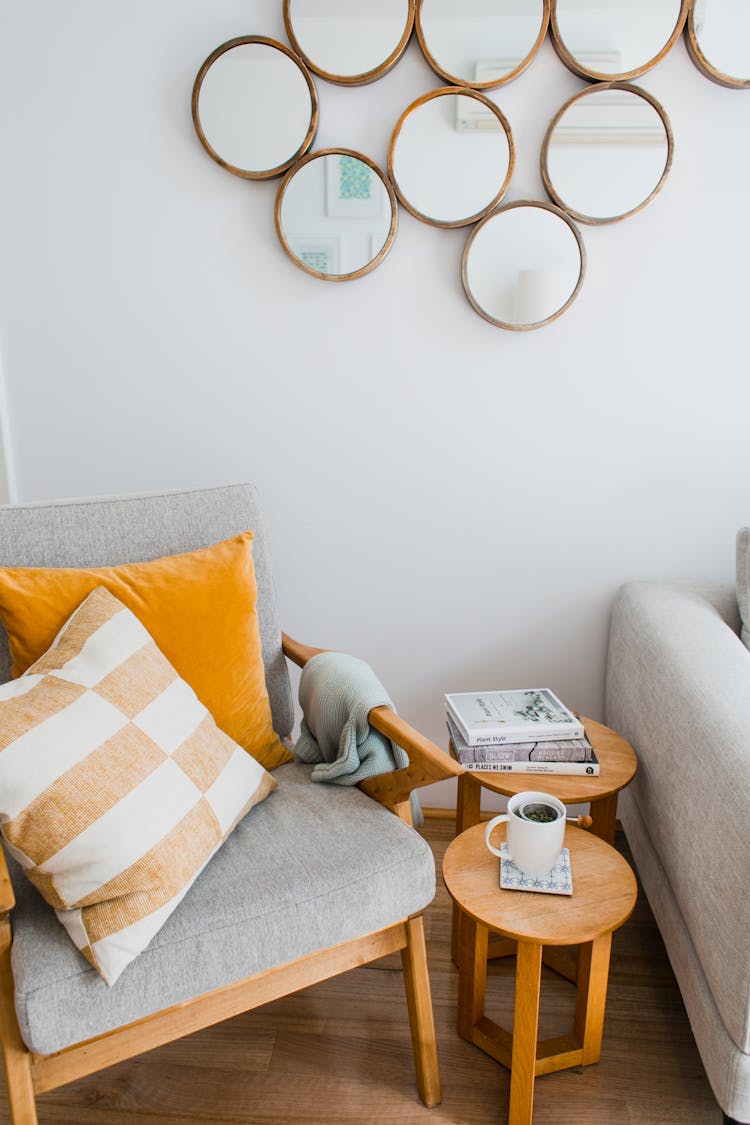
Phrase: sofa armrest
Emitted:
{"points": [[676, 662], [427, 762], [678, 688]]}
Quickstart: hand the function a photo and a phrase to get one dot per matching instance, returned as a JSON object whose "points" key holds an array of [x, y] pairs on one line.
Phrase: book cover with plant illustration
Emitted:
{"points": [[529, 715]]}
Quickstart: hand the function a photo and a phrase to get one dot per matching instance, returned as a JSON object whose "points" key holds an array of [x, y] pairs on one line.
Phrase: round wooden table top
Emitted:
{"points": [[617, 766], [604, 890]]}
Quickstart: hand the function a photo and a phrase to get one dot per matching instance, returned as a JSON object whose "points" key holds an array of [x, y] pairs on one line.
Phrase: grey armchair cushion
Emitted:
{"points": [[309, 868], [743, 581], [137, 528]]}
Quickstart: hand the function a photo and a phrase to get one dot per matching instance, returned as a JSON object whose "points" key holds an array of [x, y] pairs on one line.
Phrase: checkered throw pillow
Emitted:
{"points": [[116, 785]]}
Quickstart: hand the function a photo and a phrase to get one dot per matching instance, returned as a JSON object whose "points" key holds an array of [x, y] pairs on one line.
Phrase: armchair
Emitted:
{"points": [[315, 881]]}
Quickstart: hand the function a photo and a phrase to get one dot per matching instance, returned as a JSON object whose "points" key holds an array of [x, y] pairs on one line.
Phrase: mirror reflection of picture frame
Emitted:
{"points": [[353, 189], [319, 253]]}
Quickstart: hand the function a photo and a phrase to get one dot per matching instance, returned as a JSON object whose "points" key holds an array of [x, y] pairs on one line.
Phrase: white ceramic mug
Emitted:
{"points": [[534, 846]]}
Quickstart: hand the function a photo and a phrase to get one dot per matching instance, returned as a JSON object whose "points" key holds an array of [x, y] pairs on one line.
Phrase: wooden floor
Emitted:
{"points": [[340, 1052]]}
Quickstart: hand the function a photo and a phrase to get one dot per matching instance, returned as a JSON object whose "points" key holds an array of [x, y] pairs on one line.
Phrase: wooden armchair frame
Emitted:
{"points": [[28, 1073]]}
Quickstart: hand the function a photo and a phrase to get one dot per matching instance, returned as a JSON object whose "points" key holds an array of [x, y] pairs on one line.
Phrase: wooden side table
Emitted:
{"points": [[617, 767], [604, 894]]}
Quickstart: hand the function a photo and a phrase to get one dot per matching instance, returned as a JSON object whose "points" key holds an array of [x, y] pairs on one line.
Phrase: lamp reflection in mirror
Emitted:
{"points": [[607, 152], [451, 157], [615, 39], [254, 106], [523, 265], [349, 42], [718, 40], [336, 214], [481, 43]]}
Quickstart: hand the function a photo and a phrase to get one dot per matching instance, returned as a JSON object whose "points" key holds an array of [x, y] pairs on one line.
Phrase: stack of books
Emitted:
{"points": [[527, 731]]}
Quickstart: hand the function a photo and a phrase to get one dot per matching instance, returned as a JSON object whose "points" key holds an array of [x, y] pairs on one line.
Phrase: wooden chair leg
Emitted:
{"points": [[419, 1003], [16, 1056]]}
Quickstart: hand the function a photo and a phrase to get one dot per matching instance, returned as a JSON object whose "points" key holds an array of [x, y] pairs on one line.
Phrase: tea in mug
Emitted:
{"points": [[539, 813]]}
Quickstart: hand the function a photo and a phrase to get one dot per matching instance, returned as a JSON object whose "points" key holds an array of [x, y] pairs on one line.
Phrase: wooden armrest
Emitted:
{"points": [[296, 652], [7, 898], [427, 762]]}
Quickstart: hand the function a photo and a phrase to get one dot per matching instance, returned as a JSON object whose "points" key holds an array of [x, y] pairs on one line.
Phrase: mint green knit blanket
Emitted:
{"points": [[336, 693]]}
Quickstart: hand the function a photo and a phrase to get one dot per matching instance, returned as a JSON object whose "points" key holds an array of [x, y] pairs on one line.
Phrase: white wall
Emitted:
{"points": [[455, 503]]}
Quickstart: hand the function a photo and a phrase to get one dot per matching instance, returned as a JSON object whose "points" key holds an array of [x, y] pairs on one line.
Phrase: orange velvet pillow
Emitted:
{"points": [[200, 609]]}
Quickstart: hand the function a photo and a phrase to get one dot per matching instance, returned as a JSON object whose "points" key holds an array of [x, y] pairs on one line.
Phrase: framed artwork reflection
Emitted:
{"points": [[353, 189]]}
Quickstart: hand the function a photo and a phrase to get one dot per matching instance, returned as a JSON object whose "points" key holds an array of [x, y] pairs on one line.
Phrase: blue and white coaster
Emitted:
{"points": [[557, 881]]}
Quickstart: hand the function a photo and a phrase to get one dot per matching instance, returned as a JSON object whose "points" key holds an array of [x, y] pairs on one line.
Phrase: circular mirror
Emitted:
{"points": [[481, 43], [523, 265], [336, 214], [607, 152], [255, 108], [349, 41], [607, 39], [451, 157], [718, 38]]}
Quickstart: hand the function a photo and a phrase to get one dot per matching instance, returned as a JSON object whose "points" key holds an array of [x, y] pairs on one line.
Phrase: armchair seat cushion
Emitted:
{"points": [[312, 867]]}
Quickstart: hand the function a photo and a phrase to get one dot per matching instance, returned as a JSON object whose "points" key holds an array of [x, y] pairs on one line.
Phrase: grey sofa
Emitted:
{"points": [[678, 688], [317, 880]]}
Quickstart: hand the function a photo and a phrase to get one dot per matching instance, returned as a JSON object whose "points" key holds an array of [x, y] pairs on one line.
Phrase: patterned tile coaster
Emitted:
{"points": [[557, 881]]}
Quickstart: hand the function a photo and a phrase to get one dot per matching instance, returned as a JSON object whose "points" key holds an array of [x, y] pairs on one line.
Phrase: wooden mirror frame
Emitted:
{"points": [[588, 92], [700, 60], [596, 76], [391, 198], [492, 85], [355, 79], [470, 240], [456, 91], [309, 136]]}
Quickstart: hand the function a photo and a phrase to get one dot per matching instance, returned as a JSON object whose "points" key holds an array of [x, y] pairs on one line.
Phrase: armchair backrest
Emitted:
{"points": [[123, 529]]}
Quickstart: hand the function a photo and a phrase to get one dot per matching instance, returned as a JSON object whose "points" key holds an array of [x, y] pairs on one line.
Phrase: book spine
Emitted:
{"points": [[580, 769], [560, 733], [479, 755]]}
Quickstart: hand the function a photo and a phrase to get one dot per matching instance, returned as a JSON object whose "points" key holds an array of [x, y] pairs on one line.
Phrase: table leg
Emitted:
{"points": [[525, 1029], [468, 804], [472, 975], [591, 998], [604, 816]]}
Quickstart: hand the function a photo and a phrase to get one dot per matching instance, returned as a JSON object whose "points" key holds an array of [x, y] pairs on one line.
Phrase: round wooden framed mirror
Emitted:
{"points": [[255, 107], [607, 152], [610, 40], [718, 41], [349, 42], [336, 214], [481, 43], [451, 156], [523, 265]]}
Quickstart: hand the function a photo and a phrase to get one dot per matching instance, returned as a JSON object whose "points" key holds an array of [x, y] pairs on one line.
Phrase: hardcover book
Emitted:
{"points": [[531, 715], [569, 750], [589, 768]]}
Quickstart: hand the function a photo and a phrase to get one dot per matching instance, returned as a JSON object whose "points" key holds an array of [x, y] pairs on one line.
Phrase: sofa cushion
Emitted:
{"points": [[313, 866], [116, 785], [743, 581], [200, 608]]}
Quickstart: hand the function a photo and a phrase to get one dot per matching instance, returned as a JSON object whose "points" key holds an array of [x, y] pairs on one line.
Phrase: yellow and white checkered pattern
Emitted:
{"points": [[116, 785]]}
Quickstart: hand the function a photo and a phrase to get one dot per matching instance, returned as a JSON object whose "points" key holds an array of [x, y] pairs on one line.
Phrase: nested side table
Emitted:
{"points": [[604, 894], [617, 767]]}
